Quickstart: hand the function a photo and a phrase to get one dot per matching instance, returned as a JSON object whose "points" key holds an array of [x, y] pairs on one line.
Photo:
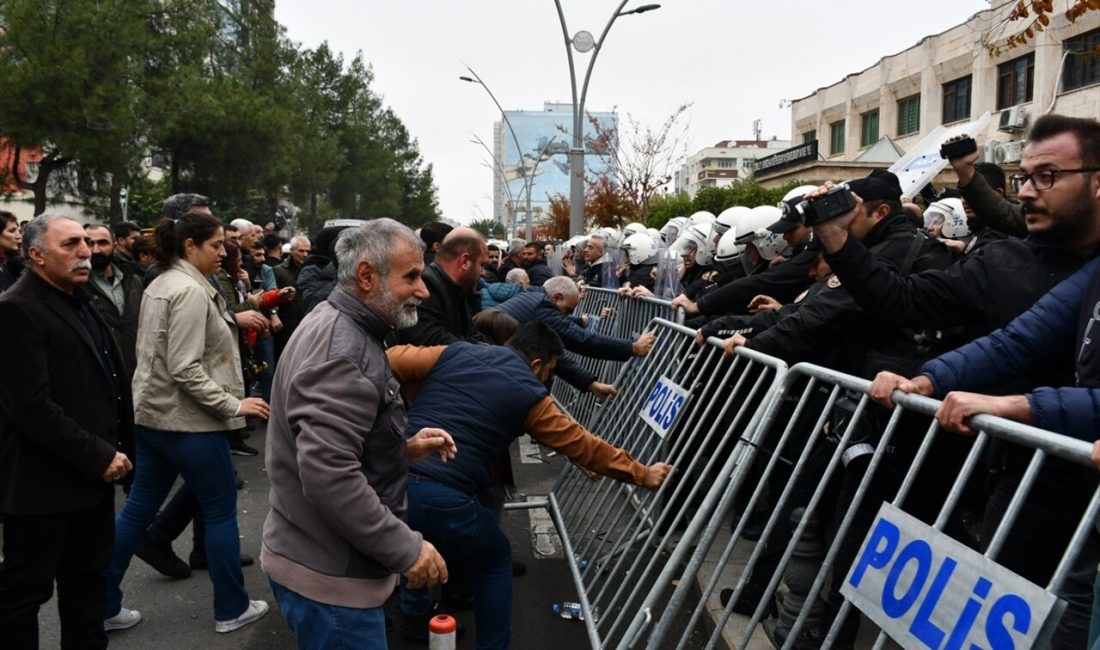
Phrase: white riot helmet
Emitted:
{"points": [[639, 248], [944, 209], [728, 250], [729, 218], [632, 229], [753, 229], [799, 192], [655, 235], [672, 229], [611, 236], [698, 237], [701, 216]]}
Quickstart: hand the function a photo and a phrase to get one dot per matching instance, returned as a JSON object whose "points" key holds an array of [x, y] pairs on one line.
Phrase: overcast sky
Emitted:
{"points": [[733, 60]]}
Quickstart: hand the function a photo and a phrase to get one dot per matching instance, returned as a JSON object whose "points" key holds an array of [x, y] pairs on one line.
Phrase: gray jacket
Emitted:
{"points": [[337, 461]]}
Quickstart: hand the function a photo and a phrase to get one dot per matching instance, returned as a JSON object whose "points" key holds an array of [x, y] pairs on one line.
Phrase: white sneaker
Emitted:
{"points": [[255, 611], [124, 619]]}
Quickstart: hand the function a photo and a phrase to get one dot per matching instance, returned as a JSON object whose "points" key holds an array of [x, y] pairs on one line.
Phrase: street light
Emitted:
{"points": [[583, 42], [498, 171], [476, 79]]}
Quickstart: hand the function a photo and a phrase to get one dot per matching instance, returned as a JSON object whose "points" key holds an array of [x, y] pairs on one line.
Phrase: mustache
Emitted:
{"points": [[413, 302], [82, 265]]}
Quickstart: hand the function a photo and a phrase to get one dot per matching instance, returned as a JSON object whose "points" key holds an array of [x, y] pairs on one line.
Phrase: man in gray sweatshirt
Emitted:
{"points": [[337, 457]]}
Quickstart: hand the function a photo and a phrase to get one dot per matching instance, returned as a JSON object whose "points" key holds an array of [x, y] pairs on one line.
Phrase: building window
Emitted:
{"points": [[1083, 64], [809, 136], [836, 138], [868, 131], [908, 115], [956, 100], [727, 163], [1015, 81]]}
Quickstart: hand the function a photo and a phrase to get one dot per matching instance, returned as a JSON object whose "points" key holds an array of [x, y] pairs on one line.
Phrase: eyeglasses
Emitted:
{"points": [[1044, 180]]}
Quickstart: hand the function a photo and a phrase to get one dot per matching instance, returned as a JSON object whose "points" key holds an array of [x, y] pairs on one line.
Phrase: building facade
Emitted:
{"points": [[541, 157], [950, 78], [723, 164]]}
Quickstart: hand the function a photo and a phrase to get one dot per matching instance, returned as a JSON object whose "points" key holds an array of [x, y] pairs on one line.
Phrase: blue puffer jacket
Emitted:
{"points": [[1056, 329], [481, 396], [496, 293]]}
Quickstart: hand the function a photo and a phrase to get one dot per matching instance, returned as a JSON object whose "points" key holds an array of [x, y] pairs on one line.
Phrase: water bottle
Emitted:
{"points": [[441, 633], [568, 610]]}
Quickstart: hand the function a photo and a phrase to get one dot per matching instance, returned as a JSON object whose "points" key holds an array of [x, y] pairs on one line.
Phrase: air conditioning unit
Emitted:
{"points": [[1009, 152], [988, 152], [1013, 119]]}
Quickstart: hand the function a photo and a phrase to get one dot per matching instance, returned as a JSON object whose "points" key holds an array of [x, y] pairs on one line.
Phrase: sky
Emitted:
{"points": [[732, 60]]}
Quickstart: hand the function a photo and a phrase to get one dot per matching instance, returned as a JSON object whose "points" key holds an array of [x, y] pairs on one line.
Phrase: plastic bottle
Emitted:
{"points": [[568, 610], [441, 633]]}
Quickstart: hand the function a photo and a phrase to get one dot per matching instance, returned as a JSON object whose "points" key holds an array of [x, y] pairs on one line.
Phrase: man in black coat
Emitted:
{"points": [[116, 293], [66, 431], [447, 315], [534, 262], [286, 275]]}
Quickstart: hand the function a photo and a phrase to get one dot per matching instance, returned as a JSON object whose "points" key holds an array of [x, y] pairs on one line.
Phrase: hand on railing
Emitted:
{"points": [[763, 303], [682, 302], [656, 474], [601, 390], [885, 383], [643, 344], [732, 343], [1095, 455], [700, 338], [958, 407], [641, 291]]}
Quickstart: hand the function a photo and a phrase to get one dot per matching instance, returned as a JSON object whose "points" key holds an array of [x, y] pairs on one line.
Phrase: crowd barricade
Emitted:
{"points": [[682, 404], [817, 467], [616, 316]]}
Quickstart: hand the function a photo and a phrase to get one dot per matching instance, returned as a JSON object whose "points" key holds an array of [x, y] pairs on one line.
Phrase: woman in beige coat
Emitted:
{"points": [[188, 392]]}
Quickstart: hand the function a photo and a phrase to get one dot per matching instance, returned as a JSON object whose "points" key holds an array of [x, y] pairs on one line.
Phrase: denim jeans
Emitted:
{"points": [[466, 533], [317, 626], [203, 460]]}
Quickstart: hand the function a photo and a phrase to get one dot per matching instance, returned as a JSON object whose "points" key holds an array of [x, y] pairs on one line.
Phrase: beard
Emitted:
{"points": [[393, 309], [100, 261], [1069, 226]]}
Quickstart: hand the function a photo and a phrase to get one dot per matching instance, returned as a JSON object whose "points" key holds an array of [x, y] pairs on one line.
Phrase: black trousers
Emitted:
{"points": [[72, 548], [173, 519]]}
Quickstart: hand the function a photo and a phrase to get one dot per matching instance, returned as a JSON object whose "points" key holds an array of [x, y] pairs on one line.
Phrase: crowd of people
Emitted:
{"points": [[392, 369]]}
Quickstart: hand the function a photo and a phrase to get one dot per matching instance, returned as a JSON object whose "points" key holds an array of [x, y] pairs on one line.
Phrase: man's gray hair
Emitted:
{"points": [[178, 205], [372, 242], [516, 245], [34, 234], [298, 239], [242, 225], [561, 284], [516, 276]]}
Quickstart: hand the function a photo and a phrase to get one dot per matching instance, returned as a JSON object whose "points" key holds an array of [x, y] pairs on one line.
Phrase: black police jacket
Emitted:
{"points": [[833, 318], [783, 282]]}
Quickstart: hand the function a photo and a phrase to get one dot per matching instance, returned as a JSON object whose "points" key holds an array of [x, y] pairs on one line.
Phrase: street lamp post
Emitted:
{"points": [[519, 151], [584, 42], [498, 170]]}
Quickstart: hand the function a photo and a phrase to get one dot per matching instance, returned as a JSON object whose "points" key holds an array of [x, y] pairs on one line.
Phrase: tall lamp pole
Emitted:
{"points": [[584, 42], [519, 151]]}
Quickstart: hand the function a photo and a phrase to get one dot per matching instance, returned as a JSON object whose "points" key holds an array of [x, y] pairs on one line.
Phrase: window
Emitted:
{"points": [[1015, 81], [809, 136], [1083, 64], [836, 138], [956, 100], [729, 163], [868, 131], [908, 115]]}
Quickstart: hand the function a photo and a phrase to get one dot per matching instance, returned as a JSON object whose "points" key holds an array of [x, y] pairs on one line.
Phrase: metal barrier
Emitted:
{"points": [[820, 452], [616, 316], [681, 404]]}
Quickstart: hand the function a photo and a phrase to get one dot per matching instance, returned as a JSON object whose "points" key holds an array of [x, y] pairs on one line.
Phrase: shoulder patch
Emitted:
{"points": [[833, 282], [801, 296], [709, 276]]}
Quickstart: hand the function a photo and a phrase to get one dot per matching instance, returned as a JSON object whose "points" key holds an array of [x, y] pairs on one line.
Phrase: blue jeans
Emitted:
{"points": [[204, 462], [323, 627], [466, 533]]}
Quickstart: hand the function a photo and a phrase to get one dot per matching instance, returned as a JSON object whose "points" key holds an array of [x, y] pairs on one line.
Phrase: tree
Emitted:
{"points": [[640, 159], [663, 207], [489, 228], [1042, 10]]}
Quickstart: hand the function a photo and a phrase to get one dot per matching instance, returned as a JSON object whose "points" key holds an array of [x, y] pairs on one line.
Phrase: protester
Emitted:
{"points": [[534, 262], [188, 392], [318, 275], [125, 234], [66, 436], [11, 255], [445, 315], [497, 293], [115, 293]]}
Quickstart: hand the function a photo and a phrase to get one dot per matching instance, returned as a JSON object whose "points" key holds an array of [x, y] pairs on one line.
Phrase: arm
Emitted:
{"points": [[547, 424], [267, 278], [782, 282], [186, 346], [573, 374], [587, 342], [329, 444], [995, 210], [26, 401], [803, 334], [1043, 332], [411, 364]]}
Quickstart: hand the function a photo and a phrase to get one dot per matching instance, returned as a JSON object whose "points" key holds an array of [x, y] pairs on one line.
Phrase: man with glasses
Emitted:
{"points": [[1059, 190]]}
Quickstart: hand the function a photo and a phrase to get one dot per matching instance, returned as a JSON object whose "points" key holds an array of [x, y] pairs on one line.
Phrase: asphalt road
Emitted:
{"points": [[179, 613]]}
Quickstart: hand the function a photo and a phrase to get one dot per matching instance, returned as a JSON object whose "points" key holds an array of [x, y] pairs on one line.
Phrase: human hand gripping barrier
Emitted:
{"points": [[864, 506]]}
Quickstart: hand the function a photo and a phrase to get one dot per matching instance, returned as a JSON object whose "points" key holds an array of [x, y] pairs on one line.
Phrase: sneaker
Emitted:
{"points": [[254, 612], [240, 448], [161, 557], [124, 619]]}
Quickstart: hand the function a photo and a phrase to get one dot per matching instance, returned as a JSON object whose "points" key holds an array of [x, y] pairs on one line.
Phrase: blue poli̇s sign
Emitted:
{"points": [[926, 590], [663, 405]]}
